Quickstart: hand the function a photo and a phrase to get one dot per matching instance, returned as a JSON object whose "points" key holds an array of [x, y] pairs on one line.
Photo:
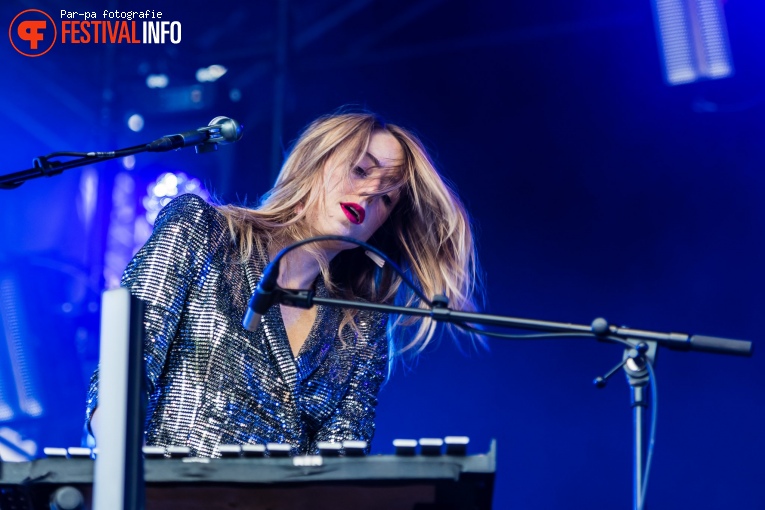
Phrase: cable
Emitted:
{"points": [[651, 376], [494, 334], [652, 435], [99, 155], [369, 247], [472, 329], [532, 336], [467, 327]]}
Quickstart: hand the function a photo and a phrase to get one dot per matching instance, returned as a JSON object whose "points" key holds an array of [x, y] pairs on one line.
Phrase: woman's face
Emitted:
{"points": [[347, 208]]}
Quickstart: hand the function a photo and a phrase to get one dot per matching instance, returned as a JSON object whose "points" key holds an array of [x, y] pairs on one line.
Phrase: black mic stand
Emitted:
{"points": [[638, 358], [221, 130], [127, 491], [638, 377], [640, 350]]}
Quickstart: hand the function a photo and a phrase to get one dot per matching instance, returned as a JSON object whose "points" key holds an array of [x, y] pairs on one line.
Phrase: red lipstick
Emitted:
{"points": [[354, 212]]}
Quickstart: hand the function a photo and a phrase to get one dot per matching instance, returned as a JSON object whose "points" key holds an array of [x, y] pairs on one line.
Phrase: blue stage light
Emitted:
{"points": [[157, 81], [693, 40], [135, 122], [211, 73], [19, 384], [168, 186]]}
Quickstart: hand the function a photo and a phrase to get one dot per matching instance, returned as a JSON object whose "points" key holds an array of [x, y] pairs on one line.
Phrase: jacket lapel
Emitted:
{"points": [[272, 327], [321, 338]]}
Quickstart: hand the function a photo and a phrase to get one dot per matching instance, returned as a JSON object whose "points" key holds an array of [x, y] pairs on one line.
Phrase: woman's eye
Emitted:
{"points": [[386, 200], [360, 171]]}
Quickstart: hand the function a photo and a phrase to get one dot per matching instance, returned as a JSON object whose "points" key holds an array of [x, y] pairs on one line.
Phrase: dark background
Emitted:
{"points": [[596, 190]]}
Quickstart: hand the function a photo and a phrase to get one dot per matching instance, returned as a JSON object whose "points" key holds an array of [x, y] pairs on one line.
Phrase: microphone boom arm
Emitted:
{"points": [[599, 328], [220, 130]]}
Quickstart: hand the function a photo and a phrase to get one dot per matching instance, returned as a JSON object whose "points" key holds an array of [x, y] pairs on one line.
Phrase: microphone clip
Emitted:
{"points": [[295, 298]]}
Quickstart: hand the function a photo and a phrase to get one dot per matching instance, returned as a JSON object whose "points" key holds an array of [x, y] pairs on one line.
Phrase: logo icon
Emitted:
{"points": [[32, 33]]}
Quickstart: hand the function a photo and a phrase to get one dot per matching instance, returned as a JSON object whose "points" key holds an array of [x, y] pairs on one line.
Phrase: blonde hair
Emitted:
{"points": [[428, 232]]}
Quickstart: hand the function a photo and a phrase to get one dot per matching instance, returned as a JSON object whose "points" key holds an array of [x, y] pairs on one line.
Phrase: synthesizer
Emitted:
{"points": [[244, 479]]}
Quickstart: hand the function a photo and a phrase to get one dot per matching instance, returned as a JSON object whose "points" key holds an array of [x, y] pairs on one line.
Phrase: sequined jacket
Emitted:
{"points": [[212, 382]]}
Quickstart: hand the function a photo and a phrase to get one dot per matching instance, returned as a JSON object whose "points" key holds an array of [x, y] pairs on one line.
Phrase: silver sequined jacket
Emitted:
{"points": [[210, 381]]}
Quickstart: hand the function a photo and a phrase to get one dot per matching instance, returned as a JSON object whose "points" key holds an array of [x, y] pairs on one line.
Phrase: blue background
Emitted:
{"points": [[596, 190]]}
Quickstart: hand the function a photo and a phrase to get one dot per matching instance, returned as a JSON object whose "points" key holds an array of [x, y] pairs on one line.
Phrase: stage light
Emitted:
{"points": [[157, 81], [168, 186], [119, 238], [135, 122], [693, 40], [211, 73], [14, 330], [14, 448], [128, 162], [235, 95]]}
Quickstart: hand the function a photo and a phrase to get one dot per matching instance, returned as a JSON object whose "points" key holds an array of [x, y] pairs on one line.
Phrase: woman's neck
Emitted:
{"points": [[299, 268]]}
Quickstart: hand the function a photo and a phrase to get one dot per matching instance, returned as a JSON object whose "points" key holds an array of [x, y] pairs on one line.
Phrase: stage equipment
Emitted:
{"points": [[121, 403], [221, 130], [638, 358], [320, 482], [693, 40]]}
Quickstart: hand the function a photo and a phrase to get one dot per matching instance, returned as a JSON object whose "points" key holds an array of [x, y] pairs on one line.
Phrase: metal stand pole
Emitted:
{"points": [[639, 405], [635, 361]]}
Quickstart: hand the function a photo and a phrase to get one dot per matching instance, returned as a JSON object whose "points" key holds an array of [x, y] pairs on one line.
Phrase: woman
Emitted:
{"points": [[303, 376]]}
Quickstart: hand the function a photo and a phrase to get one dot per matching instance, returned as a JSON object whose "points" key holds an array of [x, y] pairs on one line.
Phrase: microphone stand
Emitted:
{"points": [[640, 350], [206, 139], [126, 458], [44, 167]]}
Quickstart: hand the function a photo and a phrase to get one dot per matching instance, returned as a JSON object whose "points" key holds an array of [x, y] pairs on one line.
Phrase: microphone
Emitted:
{"points": [[263, 298], [220, 130]]}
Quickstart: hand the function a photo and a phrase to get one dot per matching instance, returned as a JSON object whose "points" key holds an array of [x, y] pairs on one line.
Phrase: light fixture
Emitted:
{"points": [[693, 40]]}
